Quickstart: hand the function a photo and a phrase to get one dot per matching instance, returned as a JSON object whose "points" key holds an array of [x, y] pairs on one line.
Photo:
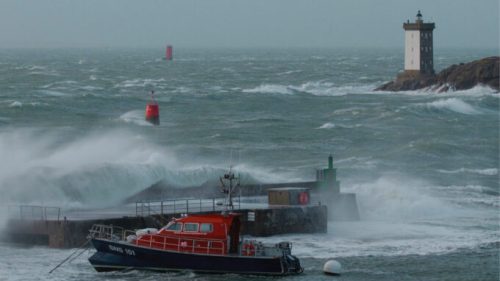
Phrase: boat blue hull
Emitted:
{"points": [[118, 256]]}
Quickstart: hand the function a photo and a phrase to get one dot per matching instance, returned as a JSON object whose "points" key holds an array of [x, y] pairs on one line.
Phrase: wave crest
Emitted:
{"points": [[269, 89], [454, 104]]}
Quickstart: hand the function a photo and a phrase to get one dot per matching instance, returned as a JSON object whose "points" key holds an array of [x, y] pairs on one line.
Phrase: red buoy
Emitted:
{"points": [[153, 111], [169, 53]]}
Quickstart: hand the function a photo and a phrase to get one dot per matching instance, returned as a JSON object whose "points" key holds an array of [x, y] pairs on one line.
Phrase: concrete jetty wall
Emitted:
{"points": [[73, 233]]}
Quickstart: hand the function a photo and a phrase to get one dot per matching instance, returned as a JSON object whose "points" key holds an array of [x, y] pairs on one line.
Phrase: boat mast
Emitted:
{"points": [[229, 190]]}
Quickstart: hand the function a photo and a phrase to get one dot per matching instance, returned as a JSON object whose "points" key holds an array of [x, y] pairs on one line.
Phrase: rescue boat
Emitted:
{"points": [[200, 243], [209, 243]]}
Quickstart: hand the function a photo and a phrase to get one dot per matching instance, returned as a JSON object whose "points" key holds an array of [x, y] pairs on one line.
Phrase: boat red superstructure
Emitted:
{"points": [[203, 234]]}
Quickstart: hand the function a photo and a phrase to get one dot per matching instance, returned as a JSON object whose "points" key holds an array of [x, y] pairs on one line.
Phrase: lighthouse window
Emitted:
{"points": [[206, 227], [191, 227]]}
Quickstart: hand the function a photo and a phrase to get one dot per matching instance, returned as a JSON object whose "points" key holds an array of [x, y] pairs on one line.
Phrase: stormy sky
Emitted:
{"points": [[242, 23]]}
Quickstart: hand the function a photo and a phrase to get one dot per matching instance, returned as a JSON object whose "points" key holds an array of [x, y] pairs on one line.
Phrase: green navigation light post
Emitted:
{"points": [[327, 178]]}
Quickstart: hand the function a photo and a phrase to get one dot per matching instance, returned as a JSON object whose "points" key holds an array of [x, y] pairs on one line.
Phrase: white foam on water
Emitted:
{"points": [[91, 88], [327, 125], [471, 195], [136, 117], [321, 88], [352, 110], [454, 104], [44, 72], [487, 172], [182, 90], [139, 83], [316, 88], [330, 125], [477, 91], [269, 89], [289, 72], [16, 104], [345, 239]]}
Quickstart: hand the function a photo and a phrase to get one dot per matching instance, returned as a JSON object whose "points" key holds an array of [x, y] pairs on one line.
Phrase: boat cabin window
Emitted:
{"points": [[174, 226], [191, 227], [206, 227]]}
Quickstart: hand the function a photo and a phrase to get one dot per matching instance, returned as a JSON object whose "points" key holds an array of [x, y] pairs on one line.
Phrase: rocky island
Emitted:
{"points": [[461, 76]]}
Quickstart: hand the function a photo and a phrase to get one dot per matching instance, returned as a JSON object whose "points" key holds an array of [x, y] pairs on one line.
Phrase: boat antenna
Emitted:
{"points": [[233, 182]]}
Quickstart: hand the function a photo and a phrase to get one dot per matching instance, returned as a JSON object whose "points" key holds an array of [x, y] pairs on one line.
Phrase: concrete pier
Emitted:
{"points": [[70, 233]]}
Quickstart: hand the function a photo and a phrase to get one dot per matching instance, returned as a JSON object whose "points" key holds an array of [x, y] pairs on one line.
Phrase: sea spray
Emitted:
{"points": [[97, 168], [396, 197]]}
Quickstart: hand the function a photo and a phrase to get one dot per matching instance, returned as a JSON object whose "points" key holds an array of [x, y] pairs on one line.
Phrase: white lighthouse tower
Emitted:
{"points": [[419, 56]]}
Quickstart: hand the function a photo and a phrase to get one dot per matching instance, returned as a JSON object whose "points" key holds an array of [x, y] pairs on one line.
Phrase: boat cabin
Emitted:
{"points": [[216, 234]]}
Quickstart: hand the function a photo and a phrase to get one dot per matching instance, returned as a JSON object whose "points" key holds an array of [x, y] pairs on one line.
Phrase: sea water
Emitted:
{"points": [[424, 165]]}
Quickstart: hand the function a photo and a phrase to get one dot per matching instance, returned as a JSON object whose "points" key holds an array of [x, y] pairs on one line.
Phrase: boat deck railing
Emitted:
{"points": [[110, 232], [182, 206], [183, 244], [156, 241]]}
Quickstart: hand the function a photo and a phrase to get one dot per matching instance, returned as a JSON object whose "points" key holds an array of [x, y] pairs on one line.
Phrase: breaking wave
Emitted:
{"points": [[454, 104], [16, 104], [477, 91], [96, 169], [270, 89], [100, 168], [139, 83], [327, 125], [487, 172], [319, 88], [399, 198], [315, 88]]}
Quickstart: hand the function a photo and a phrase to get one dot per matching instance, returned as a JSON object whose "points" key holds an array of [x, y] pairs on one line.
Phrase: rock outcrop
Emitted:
{"points": [[456, 77]]}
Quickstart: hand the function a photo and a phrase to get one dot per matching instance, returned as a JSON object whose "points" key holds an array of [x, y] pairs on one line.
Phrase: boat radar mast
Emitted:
{"points": [[229, 190]]}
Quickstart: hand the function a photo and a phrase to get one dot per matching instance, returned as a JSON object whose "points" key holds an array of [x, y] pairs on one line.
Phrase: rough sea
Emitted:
{"points": [[424, 165]]}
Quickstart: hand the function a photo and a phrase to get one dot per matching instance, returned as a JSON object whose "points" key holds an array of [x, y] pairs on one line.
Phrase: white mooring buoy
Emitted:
{"points": [[332, 267]]}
